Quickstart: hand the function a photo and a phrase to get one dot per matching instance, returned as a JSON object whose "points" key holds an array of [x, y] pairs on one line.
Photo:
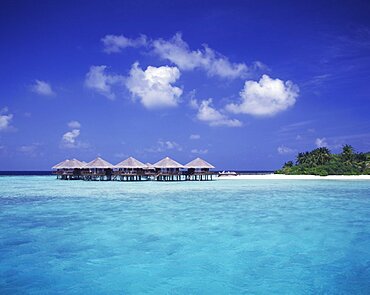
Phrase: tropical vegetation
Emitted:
{"points": [[322, 162]]}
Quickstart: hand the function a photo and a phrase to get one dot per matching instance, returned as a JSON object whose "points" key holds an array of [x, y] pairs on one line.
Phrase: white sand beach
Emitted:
{"points": [[293, 177]]}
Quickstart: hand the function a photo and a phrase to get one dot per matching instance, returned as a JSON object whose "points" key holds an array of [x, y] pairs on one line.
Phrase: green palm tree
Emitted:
{"points": [[300, 158], [288, 164], [347, 154], [323, 156]]}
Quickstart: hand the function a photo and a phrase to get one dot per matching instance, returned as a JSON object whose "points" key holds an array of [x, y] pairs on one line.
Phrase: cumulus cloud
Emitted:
{"points": [[74, 125], [321, 142], [70, 137], [115, 43], [100, 81], [42, 88], [207, 113], [266, 97], [154, 86], [177, 51], [194, 136], [199, 151], [283, 150], [5, 119]]}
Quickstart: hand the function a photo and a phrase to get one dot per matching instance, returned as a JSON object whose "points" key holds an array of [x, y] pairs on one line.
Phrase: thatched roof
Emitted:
{"points": [[130, 163], [79, 163], [199, 163], [69, 164], [149, 166], [167, 163], [59, 164], [98, 163]]}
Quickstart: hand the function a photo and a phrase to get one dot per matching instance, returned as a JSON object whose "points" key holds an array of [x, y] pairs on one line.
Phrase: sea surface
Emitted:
{"points": [[219, 237]]}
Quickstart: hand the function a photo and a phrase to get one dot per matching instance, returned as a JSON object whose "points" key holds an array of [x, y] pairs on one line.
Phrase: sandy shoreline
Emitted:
{"points": [[292, 177]]}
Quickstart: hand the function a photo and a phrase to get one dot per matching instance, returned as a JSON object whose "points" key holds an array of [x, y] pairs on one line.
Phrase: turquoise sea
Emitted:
{"points": [[220, 237]]}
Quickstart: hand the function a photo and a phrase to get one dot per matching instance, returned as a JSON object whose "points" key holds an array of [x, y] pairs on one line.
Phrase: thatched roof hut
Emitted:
{"points": [[79, 164], [82, 163], [167, 163], [199, 163], [130, 163], [98, 163], [59, 164], [72, 164], [69, 164]]}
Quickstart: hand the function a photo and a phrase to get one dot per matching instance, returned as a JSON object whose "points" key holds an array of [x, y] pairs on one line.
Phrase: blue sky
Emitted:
{"points": [[242, 84]]}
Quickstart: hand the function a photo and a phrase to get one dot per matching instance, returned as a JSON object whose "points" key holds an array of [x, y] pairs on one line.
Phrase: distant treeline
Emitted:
{"points": [[322, 162]]}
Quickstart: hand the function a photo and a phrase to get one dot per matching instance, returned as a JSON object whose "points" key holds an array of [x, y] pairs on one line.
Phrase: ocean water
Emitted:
{"points": [[220, 237]]}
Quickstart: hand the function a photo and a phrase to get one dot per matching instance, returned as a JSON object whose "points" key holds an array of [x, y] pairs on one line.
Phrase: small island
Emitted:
{"points": [[322, 162]]}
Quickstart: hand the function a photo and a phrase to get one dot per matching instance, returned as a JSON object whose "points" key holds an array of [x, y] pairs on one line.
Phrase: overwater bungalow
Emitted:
{"points": [[168, 169], [130, 169], [97, 169], [149, 167], [149, 171], [69, 169], [59, 164], [58, 169], [198, 169]]}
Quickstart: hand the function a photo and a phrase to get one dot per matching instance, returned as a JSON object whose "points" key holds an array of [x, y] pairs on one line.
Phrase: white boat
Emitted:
{"points": [[227, 173]]}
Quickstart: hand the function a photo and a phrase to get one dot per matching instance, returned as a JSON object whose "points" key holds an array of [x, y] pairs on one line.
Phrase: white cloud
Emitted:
{"points": [[213, 117], [42, 88], [153, 86], [164, 145], [5, 119], [178, 52], [321, 142], [283, 150], [199, 151], [193, 103], [70, 137], [266, 97], [258, 65], [70, 140], [98, 80], [170, 145], [74, 125], [194, 136], [115, 43]]}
